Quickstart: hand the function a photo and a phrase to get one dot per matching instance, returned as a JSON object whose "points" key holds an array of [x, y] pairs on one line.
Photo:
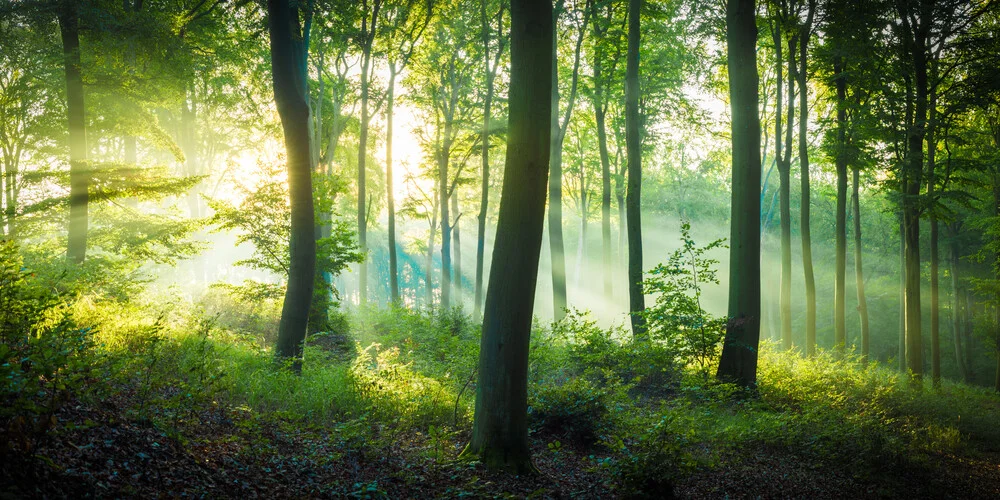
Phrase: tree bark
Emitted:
{"points": [[457, 249], [633, 147], [390, 196], [916, 38], [367, 40], [600, 110], [500, 428], [290, 81], [738, 363], [783, 161], [956, 307], [491, 71], [79, 175], [859, 271], [806, 204], [840, 271]]}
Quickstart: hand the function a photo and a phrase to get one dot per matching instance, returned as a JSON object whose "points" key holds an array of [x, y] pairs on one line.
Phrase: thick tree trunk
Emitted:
{"points": [[79, 175], [390, 196], [739, 352], [840, 271], [859, 278], [500, 428], [290, 81], [429, 265], [633, 148]]}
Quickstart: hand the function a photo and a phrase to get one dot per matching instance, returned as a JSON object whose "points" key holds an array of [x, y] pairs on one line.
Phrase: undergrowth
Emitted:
{"points": [[643, 418]]}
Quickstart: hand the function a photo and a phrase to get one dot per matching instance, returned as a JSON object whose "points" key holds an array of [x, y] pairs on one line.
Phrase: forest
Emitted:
{"points": [[500, 249]]}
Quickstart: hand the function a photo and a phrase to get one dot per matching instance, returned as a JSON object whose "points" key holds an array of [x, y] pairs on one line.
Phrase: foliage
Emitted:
{"points": [[263, 219], [44, 356], [677, 318]]}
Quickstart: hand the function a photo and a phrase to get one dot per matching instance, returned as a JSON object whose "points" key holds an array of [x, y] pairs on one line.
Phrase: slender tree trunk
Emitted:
{"points": [[390, 196], [901, 350], [806, 204], [600, 108], [79, 175], [933, 236], [840, 272], [443, 155], [429, 267], [485, 186], [783, 160], [457, 239], [633, 147], [858, 270], [290, 81], [500, 428], [956, 307], [367, 34], [739, 352]]}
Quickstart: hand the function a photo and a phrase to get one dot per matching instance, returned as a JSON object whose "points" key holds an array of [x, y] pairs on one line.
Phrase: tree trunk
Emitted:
{"points": [[457, 239], [290, 82], [390, 196], [500, 428], [739, 352], [367, 35], [783, 161], [443, 155], [840, 272], [858, 271], [956, 307], [600, 109], [485, 186], [79, 176], [804, 223], [901, 350], [429, 267], [633, 148]]}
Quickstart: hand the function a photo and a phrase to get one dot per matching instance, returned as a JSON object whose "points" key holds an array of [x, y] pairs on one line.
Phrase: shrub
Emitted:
{"points": [[608, 355], [576, 410], [44, 355], [677, 317]]}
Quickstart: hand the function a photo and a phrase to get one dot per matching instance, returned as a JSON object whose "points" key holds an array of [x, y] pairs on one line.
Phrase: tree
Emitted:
{"points": [[366, 39], [406, 26], [491, 64], [500, 427], [559, 128], [805, 31], [603, 20], [289, 41], [739, 351], [69, 27], [633, 146]]}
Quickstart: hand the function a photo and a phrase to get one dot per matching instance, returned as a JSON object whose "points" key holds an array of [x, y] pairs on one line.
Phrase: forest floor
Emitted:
{"points": [[100, 452]]}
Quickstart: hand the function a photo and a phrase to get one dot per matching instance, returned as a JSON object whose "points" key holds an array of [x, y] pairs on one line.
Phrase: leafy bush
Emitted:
{"points": [[677, 318], [609, 355], [44, 355], [652, 459], [578, 410]]}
